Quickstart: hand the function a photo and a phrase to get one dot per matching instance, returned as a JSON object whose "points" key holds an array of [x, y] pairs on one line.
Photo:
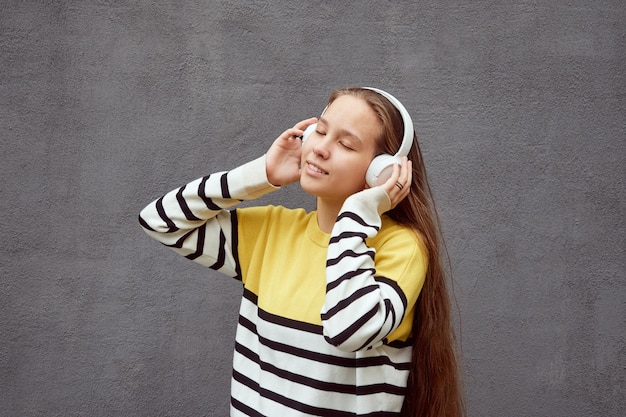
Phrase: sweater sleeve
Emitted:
{"points": [[365, 304], [194, 219]]}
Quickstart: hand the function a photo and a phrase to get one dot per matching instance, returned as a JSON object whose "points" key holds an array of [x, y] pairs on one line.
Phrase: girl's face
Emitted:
{"points": [[336, 156]]}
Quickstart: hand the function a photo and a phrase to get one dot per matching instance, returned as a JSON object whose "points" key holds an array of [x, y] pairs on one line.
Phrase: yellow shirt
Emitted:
{"points": [[325, 319], [282, 254]]}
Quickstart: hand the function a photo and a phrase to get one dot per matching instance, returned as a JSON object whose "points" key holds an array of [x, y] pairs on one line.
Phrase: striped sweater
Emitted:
{"points": [[325, 320]]}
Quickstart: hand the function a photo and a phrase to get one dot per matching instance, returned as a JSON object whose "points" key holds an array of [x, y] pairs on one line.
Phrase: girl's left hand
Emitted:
{"points": [[398, 185]]}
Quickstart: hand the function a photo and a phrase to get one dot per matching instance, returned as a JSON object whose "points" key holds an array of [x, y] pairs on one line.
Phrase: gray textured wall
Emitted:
{"points": [[104, 105]]}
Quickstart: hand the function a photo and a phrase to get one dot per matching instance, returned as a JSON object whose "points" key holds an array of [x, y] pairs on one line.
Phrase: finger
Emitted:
{"points": [[409, 171], [402, 184], [392, 185], [291, 134], [303, 124], [408, 178], [298, 130], [404, 177]]}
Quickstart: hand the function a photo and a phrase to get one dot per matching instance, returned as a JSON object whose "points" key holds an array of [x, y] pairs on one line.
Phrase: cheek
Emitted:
{"points": [[355, 170]]}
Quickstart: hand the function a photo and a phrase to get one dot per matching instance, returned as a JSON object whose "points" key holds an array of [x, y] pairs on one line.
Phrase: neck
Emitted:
{"points": [[327, 212]]}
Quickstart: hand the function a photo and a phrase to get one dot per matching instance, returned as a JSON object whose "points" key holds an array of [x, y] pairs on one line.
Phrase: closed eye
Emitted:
{"points": [[345, 145]]}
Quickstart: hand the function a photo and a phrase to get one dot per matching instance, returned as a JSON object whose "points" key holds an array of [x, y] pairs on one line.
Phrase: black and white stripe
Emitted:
{"points": [[286, 367], [361, 308], [194, 220], [291, 376]]}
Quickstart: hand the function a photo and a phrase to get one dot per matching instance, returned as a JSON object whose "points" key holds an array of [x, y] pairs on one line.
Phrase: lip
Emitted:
{"points": [[314, 169]]}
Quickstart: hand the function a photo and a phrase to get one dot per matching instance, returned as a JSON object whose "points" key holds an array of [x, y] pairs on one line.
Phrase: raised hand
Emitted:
{"points": [[282, 163], [398, 185]]}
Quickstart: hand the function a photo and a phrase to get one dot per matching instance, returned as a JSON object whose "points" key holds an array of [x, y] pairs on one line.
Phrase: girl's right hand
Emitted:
{"points": [[282, 162], [398, 186]]}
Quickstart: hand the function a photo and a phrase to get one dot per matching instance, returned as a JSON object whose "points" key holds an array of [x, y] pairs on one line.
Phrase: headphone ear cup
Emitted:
{"points": [[307, 132], [380, 169]]}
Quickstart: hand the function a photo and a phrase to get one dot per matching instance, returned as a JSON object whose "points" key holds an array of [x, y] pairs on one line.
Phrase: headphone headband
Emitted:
{"points": [[380, 168], [407, 138]]}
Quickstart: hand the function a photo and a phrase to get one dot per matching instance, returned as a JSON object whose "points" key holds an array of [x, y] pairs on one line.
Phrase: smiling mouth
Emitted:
{"points": [[315, 168]]}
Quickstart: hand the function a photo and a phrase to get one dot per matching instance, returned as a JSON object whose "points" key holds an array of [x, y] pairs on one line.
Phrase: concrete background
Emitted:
{"points": [[105, 105]]}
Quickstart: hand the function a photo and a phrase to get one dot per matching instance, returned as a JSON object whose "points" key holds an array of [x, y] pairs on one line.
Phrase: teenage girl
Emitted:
{"points": [[344, 309]]}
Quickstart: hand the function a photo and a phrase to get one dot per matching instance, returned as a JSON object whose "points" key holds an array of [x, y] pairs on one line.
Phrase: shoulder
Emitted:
{"points": [[399, 242], [393, 231], [402, 256]]}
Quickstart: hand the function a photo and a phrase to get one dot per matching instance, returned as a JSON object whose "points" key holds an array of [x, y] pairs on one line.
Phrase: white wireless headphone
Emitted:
{"points": [[381, 167]]}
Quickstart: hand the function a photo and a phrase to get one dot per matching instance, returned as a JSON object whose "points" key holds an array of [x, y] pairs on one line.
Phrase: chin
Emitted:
{"points": [[309, 188], [326, 190]]}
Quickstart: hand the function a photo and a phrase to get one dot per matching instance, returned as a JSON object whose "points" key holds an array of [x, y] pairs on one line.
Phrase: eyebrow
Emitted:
{"points": [[341, 131]]}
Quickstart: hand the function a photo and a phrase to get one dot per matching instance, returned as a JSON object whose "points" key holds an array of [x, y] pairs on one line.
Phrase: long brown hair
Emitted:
{"points": [[433, 386]]}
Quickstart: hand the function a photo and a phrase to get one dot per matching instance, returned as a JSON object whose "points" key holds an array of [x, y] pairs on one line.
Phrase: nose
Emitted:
{"points": [[322, 147]]}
